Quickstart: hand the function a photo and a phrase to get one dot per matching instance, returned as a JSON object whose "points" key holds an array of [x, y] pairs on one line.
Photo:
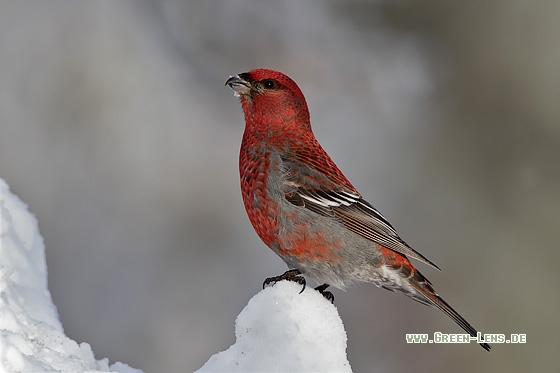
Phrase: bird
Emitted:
{"points": [[307, 212]]}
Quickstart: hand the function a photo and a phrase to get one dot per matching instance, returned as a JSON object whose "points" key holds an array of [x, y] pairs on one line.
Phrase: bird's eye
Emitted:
{"points": [[269, 84]]}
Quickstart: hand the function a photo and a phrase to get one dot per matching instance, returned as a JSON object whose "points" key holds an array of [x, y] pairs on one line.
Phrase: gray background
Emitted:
{"points": [[117, 130]]}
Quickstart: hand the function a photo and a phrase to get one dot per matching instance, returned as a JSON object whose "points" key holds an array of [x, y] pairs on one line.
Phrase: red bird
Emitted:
{"points": [[304, 208]]}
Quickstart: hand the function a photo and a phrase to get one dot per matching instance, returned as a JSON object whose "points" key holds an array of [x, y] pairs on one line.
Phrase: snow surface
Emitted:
{"points": [[281, 330], [31, 335]]}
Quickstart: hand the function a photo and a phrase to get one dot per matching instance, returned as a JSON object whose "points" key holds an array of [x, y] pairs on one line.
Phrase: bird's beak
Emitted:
{"points": [[239, 84]]}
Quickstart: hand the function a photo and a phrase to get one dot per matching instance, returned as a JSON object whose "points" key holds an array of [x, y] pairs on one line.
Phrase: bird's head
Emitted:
{"points": [[270, 100]]}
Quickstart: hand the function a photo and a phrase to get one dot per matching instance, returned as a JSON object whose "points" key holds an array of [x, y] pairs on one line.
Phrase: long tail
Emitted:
{"points": [[422, 286]]}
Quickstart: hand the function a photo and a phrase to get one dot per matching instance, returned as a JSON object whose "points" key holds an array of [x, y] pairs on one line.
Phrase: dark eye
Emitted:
{"points": [[270, 84]]}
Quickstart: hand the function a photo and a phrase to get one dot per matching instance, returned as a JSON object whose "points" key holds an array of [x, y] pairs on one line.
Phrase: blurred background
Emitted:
{"points": [[117, 130]]}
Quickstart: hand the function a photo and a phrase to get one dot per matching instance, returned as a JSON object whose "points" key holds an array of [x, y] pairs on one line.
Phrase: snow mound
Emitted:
{"points": [[31, 336], [281, 330]]}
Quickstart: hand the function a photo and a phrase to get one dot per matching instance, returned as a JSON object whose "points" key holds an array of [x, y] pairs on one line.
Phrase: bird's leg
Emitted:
{"points": [[327, 294], [291, 275]]}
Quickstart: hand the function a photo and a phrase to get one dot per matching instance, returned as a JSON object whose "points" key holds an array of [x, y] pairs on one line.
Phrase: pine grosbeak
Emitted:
{"points": [[304, 208]]}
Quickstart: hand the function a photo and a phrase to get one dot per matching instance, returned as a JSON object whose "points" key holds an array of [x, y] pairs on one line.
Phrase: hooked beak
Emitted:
{"points": [[239, 84]]}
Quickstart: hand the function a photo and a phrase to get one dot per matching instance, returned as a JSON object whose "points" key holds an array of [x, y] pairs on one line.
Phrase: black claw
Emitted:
{"points": [[291, 275], [327, 294]]}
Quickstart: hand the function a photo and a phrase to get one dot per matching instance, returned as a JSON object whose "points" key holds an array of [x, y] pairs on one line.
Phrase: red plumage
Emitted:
{"points": [[303, 207]]}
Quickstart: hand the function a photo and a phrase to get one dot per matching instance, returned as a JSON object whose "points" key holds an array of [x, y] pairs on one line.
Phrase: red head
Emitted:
{"points": [[272, 103]]}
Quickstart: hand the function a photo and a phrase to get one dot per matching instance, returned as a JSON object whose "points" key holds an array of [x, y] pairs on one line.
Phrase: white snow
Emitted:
{"points": [[31, 336], [281, 330]]}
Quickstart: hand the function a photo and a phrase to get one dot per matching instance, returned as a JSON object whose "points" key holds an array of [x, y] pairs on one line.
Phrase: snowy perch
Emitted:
{"points": [[281, 330]]}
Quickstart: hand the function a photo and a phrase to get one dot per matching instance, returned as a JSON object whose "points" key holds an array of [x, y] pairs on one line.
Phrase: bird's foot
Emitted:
{"points": [[327, 294], [291, 275]]}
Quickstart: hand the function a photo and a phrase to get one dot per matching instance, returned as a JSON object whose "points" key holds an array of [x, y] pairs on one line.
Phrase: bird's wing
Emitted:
{"points": [[344, 203]]}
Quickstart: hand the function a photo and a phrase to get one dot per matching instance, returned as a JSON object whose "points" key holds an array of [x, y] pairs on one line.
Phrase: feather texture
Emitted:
{"points": [[305, 187]]}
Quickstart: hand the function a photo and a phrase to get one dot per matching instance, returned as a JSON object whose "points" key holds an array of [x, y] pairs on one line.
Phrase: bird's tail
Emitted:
{"points": [[430, 297]]}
